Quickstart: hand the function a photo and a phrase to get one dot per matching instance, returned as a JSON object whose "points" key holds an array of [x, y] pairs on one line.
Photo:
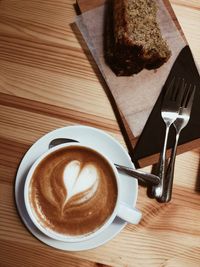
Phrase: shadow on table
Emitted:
{"points": [[197, 185]]}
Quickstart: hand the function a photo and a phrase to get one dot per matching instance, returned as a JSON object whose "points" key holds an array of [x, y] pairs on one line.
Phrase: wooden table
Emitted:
{"points": [[48, 80]]}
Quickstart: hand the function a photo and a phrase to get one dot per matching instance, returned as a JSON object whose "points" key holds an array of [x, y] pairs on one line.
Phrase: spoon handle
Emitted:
{"points": [[137, 174], [140, 175]]}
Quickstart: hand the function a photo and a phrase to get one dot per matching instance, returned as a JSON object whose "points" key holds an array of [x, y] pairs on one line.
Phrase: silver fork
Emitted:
{"points": [[169, 113], [181, 121]]}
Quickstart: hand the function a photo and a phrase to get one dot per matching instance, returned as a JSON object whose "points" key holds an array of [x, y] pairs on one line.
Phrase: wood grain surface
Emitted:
{"points": [[48, 80]]}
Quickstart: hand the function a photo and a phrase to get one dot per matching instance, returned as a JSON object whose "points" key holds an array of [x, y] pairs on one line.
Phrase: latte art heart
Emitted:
{"points": [[80, 182], [73, 191]]}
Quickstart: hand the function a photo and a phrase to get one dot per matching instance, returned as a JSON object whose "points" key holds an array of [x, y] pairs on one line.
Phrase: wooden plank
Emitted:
{"points": [[72, 116], [30, 125], [86, 5], [179, 234], [41, 256], [40, 56], [58, 112]]}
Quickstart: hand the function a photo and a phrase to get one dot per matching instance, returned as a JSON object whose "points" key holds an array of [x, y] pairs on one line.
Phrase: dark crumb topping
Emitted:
{"points": [[137, 41]]}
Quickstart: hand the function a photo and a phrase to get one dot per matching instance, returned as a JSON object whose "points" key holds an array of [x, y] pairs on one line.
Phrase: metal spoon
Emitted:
{"points": [[140, 175]]}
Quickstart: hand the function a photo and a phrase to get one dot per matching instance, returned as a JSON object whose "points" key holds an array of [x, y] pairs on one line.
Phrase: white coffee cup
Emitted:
{"points": [[122, 209]]}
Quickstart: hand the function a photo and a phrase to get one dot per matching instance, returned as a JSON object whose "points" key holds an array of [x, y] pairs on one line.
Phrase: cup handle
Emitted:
{"points": [[129, 214]]}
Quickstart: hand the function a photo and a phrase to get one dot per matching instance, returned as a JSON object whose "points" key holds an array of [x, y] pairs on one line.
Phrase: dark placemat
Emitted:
{"points": [[151, 140]]}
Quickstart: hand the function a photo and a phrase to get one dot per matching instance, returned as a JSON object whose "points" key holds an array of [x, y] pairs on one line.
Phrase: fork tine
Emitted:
{"points": [[176, 89], [169, 90], [186, 96], [191, 98], [181, 91]]}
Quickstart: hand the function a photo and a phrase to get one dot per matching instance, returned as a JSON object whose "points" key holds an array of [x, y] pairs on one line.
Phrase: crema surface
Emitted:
{"points": [[73, 191]]}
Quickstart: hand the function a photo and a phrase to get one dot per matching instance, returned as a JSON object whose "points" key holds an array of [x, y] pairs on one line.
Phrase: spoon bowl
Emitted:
{"points": [[142, 176]]}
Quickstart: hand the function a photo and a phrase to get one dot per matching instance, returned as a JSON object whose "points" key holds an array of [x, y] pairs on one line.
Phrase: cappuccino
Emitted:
{"points": [[73, 191]]}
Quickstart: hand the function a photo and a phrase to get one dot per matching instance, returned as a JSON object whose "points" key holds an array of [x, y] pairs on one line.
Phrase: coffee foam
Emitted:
{"points": [[78, 180], [73, 191]]}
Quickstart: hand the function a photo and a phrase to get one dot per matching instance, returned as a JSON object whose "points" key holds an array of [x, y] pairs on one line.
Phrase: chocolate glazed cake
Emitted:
{"points": [[133, 39]]}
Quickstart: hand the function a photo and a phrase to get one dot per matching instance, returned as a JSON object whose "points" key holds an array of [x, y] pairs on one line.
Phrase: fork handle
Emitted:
{"points": [[158, 190], [168, 182]]}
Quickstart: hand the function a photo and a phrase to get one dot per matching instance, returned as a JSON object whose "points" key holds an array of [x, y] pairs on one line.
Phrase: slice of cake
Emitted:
{"points": [[134, 39]]}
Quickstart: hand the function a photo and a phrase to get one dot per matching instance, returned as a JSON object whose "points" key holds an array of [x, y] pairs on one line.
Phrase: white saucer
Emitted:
{"points": [[86, 136]]}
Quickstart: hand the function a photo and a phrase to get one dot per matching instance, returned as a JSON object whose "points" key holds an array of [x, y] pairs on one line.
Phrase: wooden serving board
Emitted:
{"points": [[131, 140]]}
